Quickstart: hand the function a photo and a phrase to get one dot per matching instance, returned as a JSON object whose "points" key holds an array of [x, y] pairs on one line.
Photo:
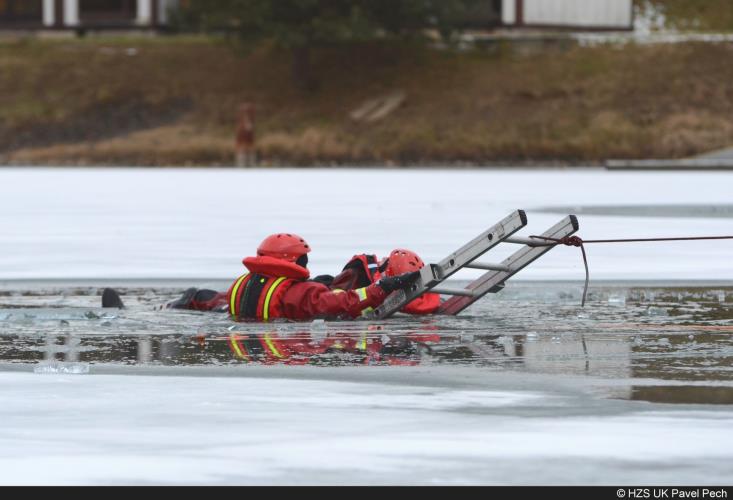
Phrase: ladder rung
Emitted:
{"points": [[453, 291], [490, 267]]}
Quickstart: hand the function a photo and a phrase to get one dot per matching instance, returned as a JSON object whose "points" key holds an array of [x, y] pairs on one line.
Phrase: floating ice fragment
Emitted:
{"points": [[617, 300], [318, 330], [656, 311], [62, 368]]}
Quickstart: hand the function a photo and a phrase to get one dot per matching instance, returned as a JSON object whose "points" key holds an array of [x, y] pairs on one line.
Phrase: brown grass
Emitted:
{"points": [[174, 101]]}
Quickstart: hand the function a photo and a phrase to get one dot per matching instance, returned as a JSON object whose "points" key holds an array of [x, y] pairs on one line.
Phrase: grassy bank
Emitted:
{"points": [[173, 101]]}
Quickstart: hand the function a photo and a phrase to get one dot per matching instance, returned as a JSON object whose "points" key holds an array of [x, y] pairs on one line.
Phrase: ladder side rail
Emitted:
{"points": [[481, 244], [493, 281]]}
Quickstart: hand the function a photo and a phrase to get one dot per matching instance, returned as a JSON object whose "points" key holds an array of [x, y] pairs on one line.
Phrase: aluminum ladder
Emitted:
{"points": [[432, 276]]}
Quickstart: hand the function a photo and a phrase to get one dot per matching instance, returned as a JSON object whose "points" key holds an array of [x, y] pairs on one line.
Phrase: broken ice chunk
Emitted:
{"points": [[62, 368]]}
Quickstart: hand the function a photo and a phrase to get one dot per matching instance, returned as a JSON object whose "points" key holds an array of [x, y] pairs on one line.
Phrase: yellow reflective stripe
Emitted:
{"points": [[366, 312], [235, 346], [272, 347], [233, 298], [362, 293], [362, 345], [266, 312]]}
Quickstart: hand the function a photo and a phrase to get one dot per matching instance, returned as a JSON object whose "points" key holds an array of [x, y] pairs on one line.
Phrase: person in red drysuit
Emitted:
{"points": [[363, 270], [277, 286]]}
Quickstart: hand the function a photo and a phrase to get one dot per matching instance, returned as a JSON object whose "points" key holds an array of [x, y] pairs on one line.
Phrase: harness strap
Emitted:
{"points": [[270, 292], [236, 291]]}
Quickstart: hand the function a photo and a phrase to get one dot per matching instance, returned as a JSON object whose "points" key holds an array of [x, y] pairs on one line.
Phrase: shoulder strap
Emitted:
{"points": [[236, 294], [269, 308], [255, 296]]}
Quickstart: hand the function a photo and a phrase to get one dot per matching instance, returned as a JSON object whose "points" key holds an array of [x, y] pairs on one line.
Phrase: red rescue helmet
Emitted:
{"points": [[287, 247], [403, 261]]}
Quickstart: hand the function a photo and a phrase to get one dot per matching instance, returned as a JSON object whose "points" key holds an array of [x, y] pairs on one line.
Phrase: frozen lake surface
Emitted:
{"points": [[526, 387], [118, 223]]}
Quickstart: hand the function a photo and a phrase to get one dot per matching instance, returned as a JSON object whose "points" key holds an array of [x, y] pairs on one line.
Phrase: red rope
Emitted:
{"points": [[577, 241]]}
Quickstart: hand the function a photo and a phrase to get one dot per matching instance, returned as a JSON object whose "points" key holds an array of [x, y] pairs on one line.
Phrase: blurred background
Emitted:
{"points": [[364, 82]]}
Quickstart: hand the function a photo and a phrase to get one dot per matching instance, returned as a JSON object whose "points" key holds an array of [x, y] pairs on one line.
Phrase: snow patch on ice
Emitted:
{"points": [[62, 368]]}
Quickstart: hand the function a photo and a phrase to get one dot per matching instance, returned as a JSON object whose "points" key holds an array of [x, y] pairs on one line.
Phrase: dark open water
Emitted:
{"points": [[668, 343]]}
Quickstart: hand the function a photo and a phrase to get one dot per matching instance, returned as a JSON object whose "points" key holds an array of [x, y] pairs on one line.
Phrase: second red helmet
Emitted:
{"points": [[288, 247], [403, 261]]}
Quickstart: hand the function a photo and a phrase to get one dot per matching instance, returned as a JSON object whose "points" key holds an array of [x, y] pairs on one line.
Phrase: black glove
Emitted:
{"points": [[325, 279], [401, 282]]}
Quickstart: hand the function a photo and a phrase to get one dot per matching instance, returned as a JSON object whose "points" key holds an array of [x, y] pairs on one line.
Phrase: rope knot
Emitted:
{"points": [[572, 241]]}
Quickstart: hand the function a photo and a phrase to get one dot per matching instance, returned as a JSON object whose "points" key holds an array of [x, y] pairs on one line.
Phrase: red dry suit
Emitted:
{"points": [[364, 270], [275, 288]]}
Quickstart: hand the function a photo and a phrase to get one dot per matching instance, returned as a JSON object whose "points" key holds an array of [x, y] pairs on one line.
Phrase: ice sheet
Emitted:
{"points": [[173, 223], [115, 429]]}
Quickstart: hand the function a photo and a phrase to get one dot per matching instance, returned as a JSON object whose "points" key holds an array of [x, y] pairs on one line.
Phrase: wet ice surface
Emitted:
{"points": [[527, 388]]}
